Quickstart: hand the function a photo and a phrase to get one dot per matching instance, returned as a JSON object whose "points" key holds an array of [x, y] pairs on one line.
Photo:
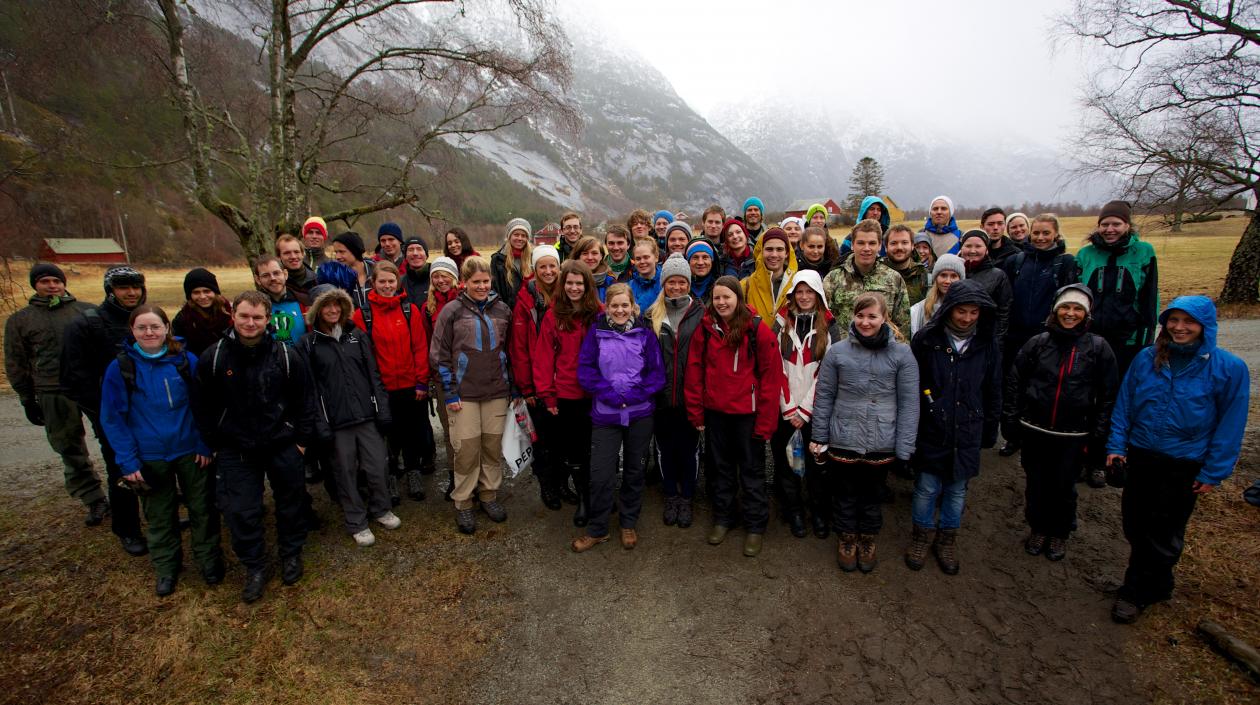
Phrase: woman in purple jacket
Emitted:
{"points": [[620, 367]]}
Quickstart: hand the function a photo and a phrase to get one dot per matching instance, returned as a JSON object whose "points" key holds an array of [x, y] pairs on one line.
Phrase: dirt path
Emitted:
{"points": [[677, 620]]}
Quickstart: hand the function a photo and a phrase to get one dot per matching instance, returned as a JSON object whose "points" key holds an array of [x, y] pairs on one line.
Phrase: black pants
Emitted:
{"points": [[855, 493], [678, 452], [124, 505], [240, 492], [409, 436], [796, 492], [572, 447], [739, 464], [1155, 508], [1051, 466], [607, 442]]}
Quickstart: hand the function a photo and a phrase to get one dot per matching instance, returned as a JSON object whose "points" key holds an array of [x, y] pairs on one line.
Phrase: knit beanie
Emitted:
{"points": [[543, 251], [351, 241], [200, 277], [700, 245], [122, 275], [953, 263], [984, 237], [315, 223], [391, 229], [1074, 294], [675, 266], [415, 240], [816, 208], [1021, 216], [46, 269], [948, 201], [1116, 209], [678, 225], [517, 224], [726, 227], [444, 264], [752, 201], [669, 217], [799, 221], [775, 233]]}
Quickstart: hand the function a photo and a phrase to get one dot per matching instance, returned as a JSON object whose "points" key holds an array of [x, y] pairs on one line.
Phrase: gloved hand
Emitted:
{"points": [[34, 412]]}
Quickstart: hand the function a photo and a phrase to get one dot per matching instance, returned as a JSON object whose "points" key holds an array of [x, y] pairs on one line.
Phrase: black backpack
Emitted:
{"points": [[127, 368], [366, 312]]}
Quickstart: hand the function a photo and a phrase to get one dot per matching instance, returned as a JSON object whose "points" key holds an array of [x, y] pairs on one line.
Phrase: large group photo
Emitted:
{"points": [[293, 417]]}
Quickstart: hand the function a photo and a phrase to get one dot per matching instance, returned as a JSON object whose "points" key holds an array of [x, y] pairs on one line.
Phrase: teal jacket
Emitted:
{"points": [[1125, 280]]}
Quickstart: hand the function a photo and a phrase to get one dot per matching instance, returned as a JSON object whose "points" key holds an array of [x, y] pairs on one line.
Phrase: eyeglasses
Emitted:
{"points": [[154, 328]]}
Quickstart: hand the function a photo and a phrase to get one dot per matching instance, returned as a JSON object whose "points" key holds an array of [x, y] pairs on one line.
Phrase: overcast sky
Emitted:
{"points": [[977, 66]]}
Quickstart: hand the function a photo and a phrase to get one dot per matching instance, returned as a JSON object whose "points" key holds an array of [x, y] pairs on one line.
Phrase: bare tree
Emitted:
{"points": [[1178, 68], [335, 71]]}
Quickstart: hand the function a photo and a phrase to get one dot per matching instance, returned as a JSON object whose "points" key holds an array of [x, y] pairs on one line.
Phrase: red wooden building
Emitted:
{"points": [[80, 250], [798, 208], [548, 234]]}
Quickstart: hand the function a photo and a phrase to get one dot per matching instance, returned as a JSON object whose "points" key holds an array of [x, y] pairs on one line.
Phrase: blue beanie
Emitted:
{"points": [[698, 246], [389, 229], [753, 201], [669, 217]]}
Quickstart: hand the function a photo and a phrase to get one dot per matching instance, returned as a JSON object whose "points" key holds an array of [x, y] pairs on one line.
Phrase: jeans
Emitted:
{"points": [[927, 489]]}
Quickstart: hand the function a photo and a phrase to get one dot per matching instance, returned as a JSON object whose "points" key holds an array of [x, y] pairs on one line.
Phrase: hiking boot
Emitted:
{"points": [[1034, 544], [466, 520], [916, 554], [1124, 611], [1008, 449], [389, 520], [718, 534], [364, 538], [629, 539], [1097, 477], [944, 547], [866, 560], [495, 511], [685, 515], [255, 583], [291, 570], [1057, 549], [846, 552], [165, 585], [551, 499], [415, 485], [796, 523], [97, 513], [391, 482], [134, 545], [821, 530], [752, 545], [585, 543], [670, 515]]}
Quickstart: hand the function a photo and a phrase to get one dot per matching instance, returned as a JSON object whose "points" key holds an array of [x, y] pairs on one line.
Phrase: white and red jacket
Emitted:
{"points": [[800, 367]]}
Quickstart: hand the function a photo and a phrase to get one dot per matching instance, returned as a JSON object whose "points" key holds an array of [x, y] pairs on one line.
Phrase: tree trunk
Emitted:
{"points": [[1244, 267], [1179, 207]]}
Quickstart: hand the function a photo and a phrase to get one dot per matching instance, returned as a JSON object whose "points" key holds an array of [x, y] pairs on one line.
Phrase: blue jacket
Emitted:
{"points": [[155, 421], [885, 218], [1197, 413], [645, 292]]}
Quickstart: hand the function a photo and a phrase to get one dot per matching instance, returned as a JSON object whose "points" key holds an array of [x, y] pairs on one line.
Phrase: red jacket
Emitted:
{"points": [[720, 378], [402, 355], [440, 300], [555, 363], [527, 315]]}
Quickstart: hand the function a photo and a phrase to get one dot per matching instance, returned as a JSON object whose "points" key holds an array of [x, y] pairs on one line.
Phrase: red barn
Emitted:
{"points": [[70, 250], [548, 234], [799, 208]]}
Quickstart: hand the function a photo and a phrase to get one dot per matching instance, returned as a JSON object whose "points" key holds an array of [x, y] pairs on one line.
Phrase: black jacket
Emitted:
{"points": [[348, 388], [254, 397], [998, 286], [506, 284], [198, 330], [674, 348], [416, 284], [91, 341], [1035, 275], [961, 400], [1062, 382]]}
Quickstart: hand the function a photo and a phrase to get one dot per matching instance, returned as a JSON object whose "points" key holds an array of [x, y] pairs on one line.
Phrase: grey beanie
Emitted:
{"points": [[951, 262], [675, 266], [678, 225], [518, 223]]}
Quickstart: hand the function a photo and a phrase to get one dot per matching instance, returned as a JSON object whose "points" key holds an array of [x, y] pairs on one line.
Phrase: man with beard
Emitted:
{"points": [[899, 256], [300, 277], [754, 225]]}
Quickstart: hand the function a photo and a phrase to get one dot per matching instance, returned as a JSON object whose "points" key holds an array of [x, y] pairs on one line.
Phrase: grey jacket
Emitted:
{"points": [[869, 398]]}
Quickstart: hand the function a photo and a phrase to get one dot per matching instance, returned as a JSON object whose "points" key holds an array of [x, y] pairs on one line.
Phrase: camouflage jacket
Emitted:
{"points": [[915, 275], [845, 284]]}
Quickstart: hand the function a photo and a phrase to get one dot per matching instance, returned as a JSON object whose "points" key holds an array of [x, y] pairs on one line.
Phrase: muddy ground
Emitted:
{"points": [[676, 620]]}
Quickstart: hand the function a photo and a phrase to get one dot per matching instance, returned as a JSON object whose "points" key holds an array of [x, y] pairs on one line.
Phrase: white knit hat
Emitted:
{"points": [[948, 201], [1073, 295], [517, 224], [444, 264], [543, 251]]}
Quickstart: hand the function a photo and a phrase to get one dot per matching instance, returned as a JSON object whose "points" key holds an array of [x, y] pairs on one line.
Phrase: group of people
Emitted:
{"points": [[646, 353]]}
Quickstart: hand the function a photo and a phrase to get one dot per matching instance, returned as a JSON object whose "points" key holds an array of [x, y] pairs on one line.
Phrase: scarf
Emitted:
{"points": [[622, 328], [618, 268], [675, 308], [160, 353], [871, 342]]}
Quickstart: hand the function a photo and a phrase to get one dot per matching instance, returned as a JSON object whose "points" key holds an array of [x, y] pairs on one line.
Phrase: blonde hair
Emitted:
{"points": [[619, 289], [527, 266], [384, 267], [1052, 219], [430, 304], [474, 265]]}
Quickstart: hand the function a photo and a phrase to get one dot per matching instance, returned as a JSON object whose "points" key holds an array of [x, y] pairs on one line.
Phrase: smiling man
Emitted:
{"points": [[863, 272], [287, 322]]}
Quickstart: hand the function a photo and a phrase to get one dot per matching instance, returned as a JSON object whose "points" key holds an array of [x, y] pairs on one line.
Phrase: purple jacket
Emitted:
{"points": [[621, 372]]}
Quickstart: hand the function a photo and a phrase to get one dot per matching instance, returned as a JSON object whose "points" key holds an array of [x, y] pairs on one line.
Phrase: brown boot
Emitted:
{"points": [[846, 554], [944, 550], [866, 559], [586, 542], [629, 539], [920, 541]]}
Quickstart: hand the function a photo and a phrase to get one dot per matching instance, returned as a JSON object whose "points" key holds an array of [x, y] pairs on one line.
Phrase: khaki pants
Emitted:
{"points": [[476, 433]]}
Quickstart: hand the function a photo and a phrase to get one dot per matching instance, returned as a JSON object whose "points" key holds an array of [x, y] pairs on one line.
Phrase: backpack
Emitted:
{"points": [[366, 312], [1017, 263], [127, 368]]}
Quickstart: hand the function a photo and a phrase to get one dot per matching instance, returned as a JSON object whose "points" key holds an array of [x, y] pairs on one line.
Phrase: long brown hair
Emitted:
{"points": [[172, 345], [741, 320], [568, 314]]}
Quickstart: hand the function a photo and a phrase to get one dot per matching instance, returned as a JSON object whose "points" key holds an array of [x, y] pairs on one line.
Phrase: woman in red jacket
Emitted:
{"points": [[396, 329], [567, 406], [734, 378], [532, 301]]}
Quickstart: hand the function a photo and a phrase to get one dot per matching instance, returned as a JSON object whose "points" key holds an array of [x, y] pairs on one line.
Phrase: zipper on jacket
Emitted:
{"points": [[1063, 370], [170, 402]]}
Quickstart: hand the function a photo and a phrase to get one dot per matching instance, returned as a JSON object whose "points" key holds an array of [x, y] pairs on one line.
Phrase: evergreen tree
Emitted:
{"points": [[867, 180]]}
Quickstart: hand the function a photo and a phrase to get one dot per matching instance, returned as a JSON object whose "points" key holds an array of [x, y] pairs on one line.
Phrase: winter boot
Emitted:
{"points": [[685, 516], [1035, 544], [944, 550], [391, 482], [916, 555], [846, 554], [866, 559], [415, 485], [670, 516]]}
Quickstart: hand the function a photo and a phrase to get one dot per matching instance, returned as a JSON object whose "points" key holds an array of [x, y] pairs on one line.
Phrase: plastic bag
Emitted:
{"points": [[796, 453], [518, 437]]}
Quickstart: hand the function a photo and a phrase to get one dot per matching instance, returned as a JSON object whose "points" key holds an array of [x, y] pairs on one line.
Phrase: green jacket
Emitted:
{"points": [[32, 344], [1125, 280], [915, 275], [843, 285]]}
